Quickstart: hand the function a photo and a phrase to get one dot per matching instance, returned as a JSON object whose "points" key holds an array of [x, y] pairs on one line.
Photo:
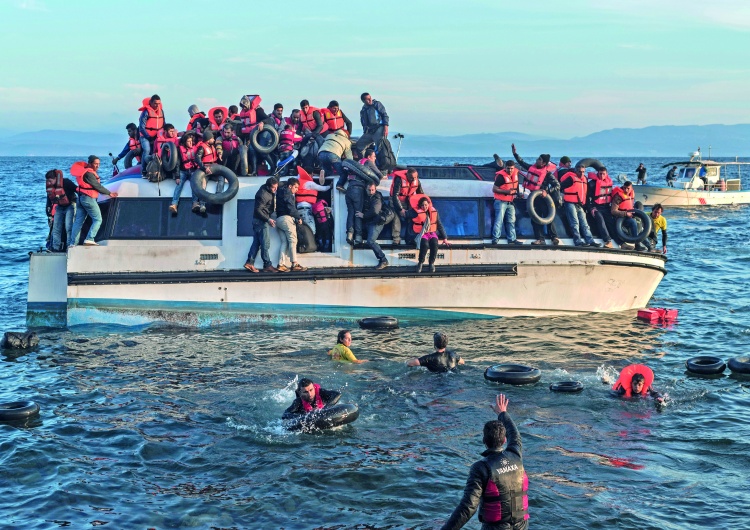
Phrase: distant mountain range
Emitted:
{"points": [[667, 140]]}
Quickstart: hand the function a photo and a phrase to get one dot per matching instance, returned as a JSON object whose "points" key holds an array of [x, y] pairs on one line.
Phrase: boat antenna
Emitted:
{"points": [[400, 139]]}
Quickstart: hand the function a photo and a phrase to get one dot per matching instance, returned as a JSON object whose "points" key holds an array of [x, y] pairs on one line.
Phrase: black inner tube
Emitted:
{"points": [[378, 323], [739, 365], [331, 416], [590, 162], [566, 386], [514, 374], [169, 156], [705, 364], [530, 202], [364, 173], [18, 410], [130, 156], [646, 226], [265, 141], [198, 181]]}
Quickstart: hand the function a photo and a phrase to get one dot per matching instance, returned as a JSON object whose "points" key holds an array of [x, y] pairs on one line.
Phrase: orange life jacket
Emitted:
{"points": [[209, 153], [162, 139], [212, 120], [408, 189], [535, 176], [334, 122], [626, 378], [78, 170], [628, 199], [510, 184], [192, 125], [418, 222], [575, 194], [55, 190], [308, 121], [603, 190], [304, 194], [155, 120]]}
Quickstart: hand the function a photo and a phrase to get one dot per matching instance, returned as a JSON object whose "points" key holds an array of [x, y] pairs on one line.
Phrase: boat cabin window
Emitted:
{"points": [[712, 171], [460, 217], [688, 173], [245, 209], [151, 219], [455, 173]]}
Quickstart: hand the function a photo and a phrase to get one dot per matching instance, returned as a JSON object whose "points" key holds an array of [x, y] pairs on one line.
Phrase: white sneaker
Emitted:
{"points": [[90, 243]]}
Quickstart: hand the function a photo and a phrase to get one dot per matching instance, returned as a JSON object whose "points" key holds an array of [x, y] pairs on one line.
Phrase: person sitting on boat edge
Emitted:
{"points": [[335, 119], [441, 360], [205, 154], [505, 190], [599, 197], [375, 214], [288, 217], [134, 144], [168, 135], [574, 187], [497, 485], [405, 184], [541, 176], [263, 210], [635, 380], [641, 171], [659, 222], [427, 228], [622, 205], [341, 352], [310, 397], [89, 188], [186, 166], [671, 176]]}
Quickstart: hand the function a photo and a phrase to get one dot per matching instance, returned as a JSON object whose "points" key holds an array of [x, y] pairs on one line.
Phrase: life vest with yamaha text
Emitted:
{"points": [[304, 194], [209, 153], [535, 176], [510, 184], [576, 193], [407, 189], [155, 120], [628, 199], [318, 400], [505, 498], [55, 190], [626, 378], [78, 170], [308, 120], [334, 122], [187, 158], [603, 189]]}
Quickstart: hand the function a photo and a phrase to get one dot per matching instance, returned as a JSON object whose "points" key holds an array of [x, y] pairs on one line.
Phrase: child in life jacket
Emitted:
{"points": [[323, 225], [635, 380]]}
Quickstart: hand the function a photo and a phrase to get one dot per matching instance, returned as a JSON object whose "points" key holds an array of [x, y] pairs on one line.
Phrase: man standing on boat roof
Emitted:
{"points": [[540, 176], [622, 205], [150, 123], [574, 187], [599, 197], [497, 484], [374, 120], [134, 144], [671, 176], [641, 170], [89, 188], [264, 209], [505, 190]]}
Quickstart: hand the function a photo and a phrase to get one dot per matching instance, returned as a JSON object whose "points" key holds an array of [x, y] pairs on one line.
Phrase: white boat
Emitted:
{"points": [[699, 184], [188, 269]]}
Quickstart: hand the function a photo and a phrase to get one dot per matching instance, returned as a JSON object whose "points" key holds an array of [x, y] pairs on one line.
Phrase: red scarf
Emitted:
{"points": [[318, 401]]}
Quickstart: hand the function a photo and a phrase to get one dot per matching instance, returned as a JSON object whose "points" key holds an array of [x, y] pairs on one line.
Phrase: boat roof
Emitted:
{"points": [[693, 163]]}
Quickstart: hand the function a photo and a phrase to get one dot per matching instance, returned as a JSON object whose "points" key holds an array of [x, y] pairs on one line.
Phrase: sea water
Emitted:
{"points": [[159, 427]]}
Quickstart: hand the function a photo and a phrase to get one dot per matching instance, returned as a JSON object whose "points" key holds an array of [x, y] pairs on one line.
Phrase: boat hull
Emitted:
{"points": [[675, 197]]}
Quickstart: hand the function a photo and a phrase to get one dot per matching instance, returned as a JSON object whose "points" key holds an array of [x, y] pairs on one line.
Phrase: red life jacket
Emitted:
{"points": [[510, 184], [133, 144], [248, 116], [162, 139], [287, 139], [155, 120], [308, 121], [418, 222], [626, 378], [575, 194], [304, 194], [318, 400], [78, 170], [407, 189], [319, 211], [535, 176], [507, 478], [230, 144], [212, 120], [192, 125], [55, 190], [603, 190], [628, 199], [209, 153], [187, 158], [334, 122]]}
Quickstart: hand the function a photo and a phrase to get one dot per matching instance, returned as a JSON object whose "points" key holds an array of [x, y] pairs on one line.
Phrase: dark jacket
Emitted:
{"points": [[90, 179], [443, 361], [375, 211], [329, 397], [373, 116], [70, 189], [398, 205], [286, 203], [510, 485], [265, 204], [411, 214]]}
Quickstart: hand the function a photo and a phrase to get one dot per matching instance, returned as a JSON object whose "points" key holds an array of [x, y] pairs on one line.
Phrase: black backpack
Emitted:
{"points": [[386, 160], [153, 171], [305, 239]]}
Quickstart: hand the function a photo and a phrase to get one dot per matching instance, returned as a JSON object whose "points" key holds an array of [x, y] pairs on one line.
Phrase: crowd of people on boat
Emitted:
{"points": [[497, 486]]}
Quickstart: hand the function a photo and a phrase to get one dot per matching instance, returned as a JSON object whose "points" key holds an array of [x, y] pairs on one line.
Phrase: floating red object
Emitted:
{"points": [[657, 314]]}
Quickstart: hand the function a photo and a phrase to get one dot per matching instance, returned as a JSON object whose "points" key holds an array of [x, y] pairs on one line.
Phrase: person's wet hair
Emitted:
{"points": [[341, 335], [304, 383], [494, 434], [637, 378], [233, 109], [440, 340]]}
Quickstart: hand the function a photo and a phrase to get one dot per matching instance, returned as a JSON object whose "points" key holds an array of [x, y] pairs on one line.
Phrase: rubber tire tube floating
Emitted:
{"points": [[705, 365], [378, 323], [18, 410], [739, 365], [198, 180], [538, 219], [646, 226], [513, 374], [326, 418], [567, 386]]}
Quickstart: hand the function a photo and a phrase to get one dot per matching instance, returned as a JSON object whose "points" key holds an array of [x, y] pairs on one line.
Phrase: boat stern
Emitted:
{"points": [[47, 301]]}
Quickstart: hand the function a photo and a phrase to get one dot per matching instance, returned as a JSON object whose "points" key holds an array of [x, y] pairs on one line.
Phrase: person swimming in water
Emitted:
{"points": [[635, 380], [441, 360], [310, 397], [341, 351]]}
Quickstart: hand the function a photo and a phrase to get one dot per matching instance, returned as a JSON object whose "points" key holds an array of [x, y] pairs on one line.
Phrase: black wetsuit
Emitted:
{"points": [[443, 361]]}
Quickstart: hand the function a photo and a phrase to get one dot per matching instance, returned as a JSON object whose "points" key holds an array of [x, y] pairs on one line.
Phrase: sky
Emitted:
{"points": [[540, 67]]}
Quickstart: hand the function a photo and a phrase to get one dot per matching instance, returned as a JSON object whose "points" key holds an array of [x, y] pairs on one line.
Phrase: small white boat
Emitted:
{"points": [[699, 184], [188, 269]]}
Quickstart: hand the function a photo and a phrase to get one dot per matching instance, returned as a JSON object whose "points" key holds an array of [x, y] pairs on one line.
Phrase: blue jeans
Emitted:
{"points": [[184, 177], [355, 202], [373, 231], [505, 213], [146, 147], [261, 241], [577, 219], [87, 207], [64, 216], [331, 164]]}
